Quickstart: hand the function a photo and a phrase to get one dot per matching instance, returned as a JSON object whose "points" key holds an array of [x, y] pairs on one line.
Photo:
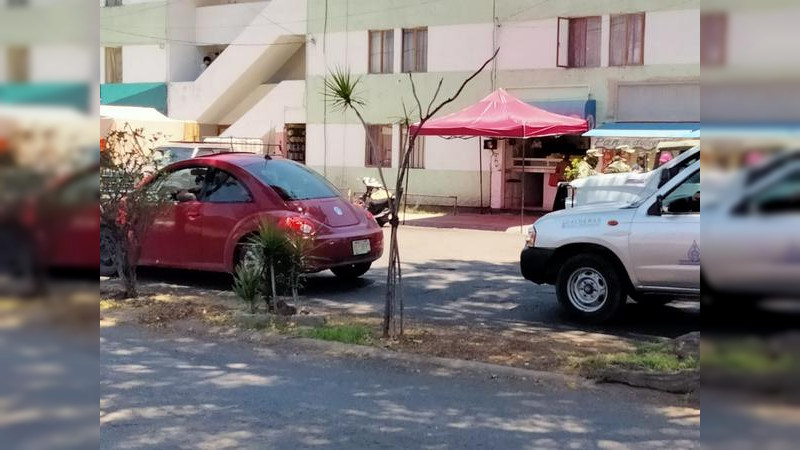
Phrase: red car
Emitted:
{"points": [[218, 202]]}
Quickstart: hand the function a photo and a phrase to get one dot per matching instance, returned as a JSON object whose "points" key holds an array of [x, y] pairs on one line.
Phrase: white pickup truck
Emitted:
{"points": [[629, 186], [598, 255]]}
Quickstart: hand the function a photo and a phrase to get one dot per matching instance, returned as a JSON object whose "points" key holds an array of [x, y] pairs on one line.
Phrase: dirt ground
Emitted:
{"points": [[211, 312]]}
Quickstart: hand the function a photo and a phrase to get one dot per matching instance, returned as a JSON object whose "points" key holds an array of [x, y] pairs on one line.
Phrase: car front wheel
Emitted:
{"points": [[351, 271], [108, 253], [590, 289]]}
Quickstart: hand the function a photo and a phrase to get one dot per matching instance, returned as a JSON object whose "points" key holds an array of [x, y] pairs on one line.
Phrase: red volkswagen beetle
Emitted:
{"points": [[218, 201]]}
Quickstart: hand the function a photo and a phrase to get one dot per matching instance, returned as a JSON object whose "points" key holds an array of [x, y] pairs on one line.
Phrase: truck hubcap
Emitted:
{"points": [[587, 290]]}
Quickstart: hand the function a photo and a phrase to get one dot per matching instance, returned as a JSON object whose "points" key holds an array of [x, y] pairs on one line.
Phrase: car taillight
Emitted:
{"points": [[299, 225], [370, 216]]}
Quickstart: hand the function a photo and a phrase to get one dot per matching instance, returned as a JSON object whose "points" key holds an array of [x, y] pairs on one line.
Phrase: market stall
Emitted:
{"points": [[502, 116]]}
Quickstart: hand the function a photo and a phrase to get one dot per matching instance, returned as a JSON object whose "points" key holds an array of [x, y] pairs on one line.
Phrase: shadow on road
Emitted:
{"points": [[165, 392], [460, 292]]}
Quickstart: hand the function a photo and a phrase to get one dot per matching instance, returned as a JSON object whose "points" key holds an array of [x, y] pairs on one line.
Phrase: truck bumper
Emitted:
{"points": [[533, 264]]}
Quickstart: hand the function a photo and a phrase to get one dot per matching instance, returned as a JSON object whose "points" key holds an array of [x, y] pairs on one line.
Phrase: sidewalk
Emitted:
{"points": [[471, 221]]}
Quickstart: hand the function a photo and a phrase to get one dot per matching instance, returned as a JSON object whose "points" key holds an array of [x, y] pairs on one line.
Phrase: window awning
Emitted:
{"points": [[655, 130]]}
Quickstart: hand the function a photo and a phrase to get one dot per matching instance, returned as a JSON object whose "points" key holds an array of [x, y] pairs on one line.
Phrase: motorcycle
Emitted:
{"points": [[375, 200]]}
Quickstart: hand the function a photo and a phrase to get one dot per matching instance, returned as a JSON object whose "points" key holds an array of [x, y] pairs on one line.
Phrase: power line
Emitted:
{"points": [[199, 44]]}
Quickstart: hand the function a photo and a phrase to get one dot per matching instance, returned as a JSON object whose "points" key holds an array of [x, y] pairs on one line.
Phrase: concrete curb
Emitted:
{"points": [[455, 364]]}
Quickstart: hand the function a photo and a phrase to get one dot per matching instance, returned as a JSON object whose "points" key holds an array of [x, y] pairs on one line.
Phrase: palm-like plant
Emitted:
{"points": [[273, 248], [247, 285]]}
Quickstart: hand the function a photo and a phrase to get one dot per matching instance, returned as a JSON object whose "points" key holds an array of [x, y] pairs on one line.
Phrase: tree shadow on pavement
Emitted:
{"points": [[180, 392]]}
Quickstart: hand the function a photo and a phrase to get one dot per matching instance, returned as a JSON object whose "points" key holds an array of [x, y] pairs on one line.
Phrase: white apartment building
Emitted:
{"points": [[632, 68]]}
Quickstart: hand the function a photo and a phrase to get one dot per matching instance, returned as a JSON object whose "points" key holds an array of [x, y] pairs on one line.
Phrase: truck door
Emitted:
{"points": [[664, 243]]}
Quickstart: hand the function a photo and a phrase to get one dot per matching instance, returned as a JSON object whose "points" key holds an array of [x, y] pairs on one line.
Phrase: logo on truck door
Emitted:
{"points": [[693, 256]]}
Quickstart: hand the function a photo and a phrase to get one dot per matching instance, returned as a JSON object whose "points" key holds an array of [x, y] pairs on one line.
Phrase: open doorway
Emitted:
{"points": [[529, 165]]}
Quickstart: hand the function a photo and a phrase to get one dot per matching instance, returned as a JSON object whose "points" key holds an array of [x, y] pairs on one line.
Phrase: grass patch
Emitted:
{"points": [[348, 334], [647, 358], [108, 304], [748, 358]]}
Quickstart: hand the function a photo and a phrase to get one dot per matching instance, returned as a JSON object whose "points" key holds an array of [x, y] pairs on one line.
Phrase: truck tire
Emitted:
{"points": [[590, 288]]}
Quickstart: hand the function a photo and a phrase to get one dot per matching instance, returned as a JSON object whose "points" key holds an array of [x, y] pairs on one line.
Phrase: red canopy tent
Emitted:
{"points": [[501, 115]]}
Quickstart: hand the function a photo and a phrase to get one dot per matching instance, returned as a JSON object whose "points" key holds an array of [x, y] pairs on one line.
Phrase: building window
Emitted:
{"points": [[579, 42], [382, 155], [415, 50], [381, 51], [113, 65], [417, 158], [113, 2], [17, 60], [713, 39], [626, 47]]}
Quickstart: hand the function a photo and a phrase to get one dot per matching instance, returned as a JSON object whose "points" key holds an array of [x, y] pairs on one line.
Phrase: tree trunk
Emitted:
{"points": [[272, 282]]}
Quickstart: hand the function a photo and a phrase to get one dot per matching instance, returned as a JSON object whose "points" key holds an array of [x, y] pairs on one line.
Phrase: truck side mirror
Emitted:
{"points": [[657, 207]]}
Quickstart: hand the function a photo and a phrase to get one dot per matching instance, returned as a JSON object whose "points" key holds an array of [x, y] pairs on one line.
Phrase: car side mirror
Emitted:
{"points": [[185, 196], [656, 209]]}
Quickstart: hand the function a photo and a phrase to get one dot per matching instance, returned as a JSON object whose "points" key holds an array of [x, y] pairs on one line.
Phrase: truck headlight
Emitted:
{"points": [[530, 239]]}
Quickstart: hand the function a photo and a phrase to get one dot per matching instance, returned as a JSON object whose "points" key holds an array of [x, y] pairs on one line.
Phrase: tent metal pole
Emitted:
{"points": [[522, 183], [480, 172]]}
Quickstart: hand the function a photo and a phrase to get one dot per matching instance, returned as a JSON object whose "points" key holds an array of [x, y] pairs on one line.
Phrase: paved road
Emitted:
{"points": [[159, 391], [464, 276]]}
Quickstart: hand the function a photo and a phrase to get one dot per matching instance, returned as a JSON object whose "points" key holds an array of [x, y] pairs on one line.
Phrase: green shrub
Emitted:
{"points": [[247, 285]]}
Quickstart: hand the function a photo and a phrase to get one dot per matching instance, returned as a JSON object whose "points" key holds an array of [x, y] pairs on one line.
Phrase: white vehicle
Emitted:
{"points": [[173, 152], [630, 186], [753, 243], [598, 255]]}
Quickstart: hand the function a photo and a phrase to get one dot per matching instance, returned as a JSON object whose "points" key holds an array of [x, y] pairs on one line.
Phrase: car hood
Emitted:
{"points": [[613, 179], [594, 208]]}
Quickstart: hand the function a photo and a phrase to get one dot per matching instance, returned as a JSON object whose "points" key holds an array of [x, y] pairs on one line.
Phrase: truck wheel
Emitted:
{"points": [[590, 289]]}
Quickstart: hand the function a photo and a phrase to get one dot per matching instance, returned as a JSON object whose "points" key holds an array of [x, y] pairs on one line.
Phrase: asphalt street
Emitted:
{"points": [[162, 391], [461, 276]]}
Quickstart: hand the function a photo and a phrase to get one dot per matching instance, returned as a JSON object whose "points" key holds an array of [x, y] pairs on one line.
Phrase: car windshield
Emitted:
{"points": [[292, 181]]}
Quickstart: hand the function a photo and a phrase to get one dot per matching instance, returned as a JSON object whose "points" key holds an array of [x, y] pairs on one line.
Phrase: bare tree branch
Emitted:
{"points": [[416, 97], [463, 85], [435, 94]]}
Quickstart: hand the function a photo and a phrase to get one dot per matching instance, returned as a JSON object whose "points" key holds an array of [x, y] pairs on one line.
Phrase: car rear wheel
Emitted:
{"points": [[351, 271], [590, 289], [108, 253]]}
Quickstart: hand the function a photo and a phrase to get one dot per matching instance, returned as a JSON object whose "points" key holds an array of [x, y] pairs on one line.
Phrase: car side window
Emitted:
{"points": [[685, 198], [225, 188], [189, 180], [81, 191], [782, 197]]}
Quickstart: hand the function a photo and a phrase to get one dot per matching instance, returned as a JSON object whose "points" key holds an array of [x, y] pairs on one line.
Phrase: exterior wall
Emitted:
{"points": [[221, 24], [134, 68], [457, 44], [61, 63]]}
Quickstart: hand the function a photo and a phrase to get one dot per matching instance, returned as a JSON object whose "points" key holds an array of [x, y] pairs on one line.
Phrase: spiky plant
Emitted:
{"points": [[273, 246], [247, 285], [340, 90], [299, 249]]}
